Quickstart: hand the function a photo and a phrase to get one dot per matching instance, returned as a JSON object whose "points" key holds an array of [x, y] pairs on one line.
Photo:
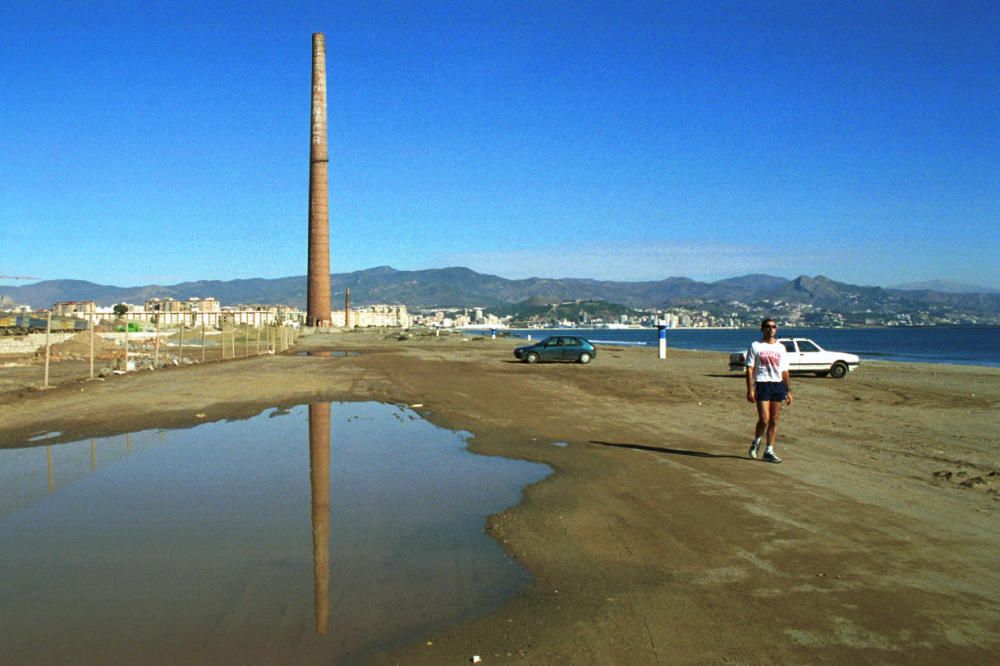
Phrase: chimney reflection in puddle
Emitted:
{"points": [[319, 473]]}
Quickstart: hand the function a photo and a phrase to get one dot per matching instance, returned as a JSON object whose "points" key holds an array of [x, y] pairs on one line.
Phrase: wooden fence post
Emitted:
{"points": [[48, 330], [182, 343], [91, 345], [126, 342], [156, 343], [258, 339], [203, 339]]}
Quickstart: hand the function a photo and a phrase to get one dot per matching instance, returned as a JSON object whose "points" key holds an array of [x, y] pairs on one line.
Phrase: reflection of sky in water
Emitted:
{"points": [[198, 544]]}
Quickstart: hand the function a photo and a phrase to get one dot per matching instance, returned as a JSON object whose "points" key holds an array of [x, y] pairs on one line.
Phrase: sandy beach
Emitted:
{"points": [[657, 540]]}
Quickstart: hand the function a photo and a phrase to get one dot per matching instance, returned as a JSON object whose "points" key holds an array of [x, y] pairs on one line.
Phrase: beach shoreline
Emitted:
{"points": [[657, 539]]}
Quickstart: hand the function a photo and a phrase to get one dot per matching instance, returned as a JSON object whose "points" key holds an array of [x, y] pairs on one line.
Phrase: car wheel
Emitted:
{"points": [[531, 357], [584, 358], [838, 370], [823, 373]]}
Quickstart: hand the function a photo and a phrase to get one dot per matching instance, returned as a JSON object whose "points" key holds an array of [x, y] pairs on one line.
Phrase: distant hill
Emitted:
{"points": [[462, 287], [946, 286]]}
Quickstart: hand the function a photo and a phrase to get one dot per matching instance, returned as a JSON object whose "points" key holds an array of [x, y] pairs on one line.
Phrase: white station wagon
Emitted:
{"points": [[804, 355]]}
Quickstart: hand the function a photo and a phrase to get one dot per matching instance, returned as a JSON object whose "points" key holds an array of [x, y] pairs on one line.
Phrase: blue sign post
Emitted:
{"points": [[662, 331]]}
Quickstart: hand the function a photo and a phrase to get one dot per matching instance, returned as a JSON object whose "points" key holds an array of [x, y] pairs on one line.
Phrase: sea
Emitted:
{"points": [[962, 345]]}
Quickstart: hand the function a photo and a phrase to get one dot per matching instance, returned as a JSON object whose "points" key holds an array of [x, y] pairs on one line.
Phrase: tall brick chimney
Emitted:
{"points": [[318, 286]]}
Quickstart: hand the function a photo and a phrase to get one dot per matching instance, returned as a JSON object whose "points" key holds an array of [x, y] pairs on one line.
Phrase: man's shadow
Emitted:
{"points": [[663, 449]]}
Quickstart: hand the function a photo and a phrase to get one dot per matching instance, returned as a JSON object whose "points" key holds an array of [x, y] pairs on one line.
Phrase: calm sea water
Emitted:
{"points": [[965, 345]]}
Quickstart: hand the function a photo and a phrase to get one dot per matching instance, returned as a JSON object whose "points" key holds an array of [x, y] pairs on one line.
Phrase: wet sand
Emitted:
{"points": [[657, 540]]}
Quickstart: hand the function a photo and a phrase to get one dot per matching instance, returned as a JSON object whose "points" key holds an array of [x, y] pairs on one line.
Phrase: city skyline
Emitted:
{"points": [[167, 143]]}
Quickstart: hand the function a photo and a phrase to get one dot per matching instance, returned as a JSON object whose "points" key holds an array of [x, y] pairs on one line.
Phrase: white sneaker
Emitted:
{"points": [[753, 450], [771, 457]]}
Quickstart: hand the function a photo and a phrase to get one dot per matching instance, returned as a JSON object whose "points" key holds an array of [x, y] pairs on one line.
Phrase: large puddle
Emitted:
{"points": [[323, 533]]}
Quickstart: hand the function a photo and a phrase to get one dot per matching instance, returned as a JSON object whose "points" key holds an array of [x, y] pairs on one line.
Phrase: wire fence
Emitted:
{"points": [[92, 348]]}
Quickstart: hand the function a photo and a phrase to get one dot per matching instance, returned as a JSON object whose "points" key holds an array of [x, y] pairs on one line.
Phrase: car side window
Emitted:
{"points": [[806, 346], [789, 346], [571, 342]]}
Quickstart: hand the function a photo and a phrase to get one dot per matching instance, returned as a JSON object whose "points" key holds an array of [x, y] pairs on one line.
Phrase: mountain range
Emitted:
{"points": [[463, 287], [945, 285]]}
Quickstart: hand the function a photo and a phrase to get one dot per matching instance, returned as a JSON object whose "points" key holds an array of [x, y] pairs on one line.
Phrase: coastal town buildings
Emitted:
{"points": [[380, 315], [82, 309], [208, 311], [193, 313], [196, 312], [476, 317]]}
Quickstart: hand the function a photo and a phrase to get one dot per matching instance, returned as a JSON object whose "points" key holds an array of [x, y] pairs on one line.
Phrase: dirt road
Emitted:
{"points": [[657, 540]]}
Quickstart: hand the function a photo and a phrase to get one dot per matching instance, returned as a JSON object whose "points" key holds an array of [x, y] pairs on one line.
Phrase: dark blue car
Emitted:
{"points": [[558, 348]]}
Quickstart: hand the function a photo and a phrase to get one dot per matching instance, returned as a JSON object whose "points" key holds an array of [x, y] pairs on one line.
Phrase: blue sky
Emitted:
{"points": [[160, 142]]}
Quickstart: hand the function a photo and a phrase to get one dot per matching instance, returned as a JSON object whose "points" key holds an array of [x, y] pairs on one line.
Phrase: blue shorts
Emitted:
{"points": [[771, 392]]}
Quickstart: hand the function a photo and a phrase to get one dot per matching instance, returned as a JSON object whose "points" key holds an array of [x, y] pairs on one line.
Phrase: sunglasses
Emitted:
{"points": [[770, 326]]}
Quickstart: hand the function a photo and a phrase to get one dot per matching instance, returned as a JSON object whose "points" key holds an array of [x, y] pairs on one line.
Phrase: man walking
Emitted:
{"points": [[768, 385]]}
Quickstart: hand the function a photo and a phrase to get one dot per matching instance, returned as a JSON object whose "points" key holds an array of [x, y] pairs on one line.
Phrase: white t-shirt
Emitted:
{"points": [[768, 361]]}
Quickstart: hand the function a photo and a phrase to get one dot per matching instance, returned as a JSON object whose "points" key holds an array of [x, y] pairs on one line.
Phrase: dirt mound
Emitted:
{"points": [[79, 345]]}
